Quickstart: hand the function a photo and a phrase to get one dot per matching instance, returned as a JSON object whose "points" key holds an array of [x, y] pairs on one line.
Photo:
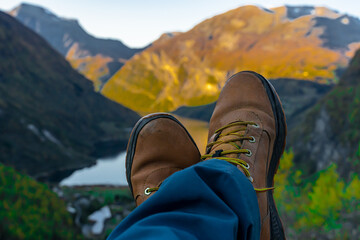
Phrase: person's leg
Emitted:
{"points": [[159, 145], [248, 129], [213, 199], [209, 200]]}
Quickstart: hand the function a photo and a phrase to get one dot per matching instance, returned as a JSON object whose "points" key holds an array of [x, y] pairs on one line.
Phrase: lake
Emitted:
{"points": [[111, 171]]}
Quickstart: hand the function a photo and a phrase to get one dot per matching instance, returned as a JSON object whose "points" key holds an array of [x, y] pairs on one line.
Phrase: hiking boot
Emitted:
{"points": [[248, 129], [159, 146]]}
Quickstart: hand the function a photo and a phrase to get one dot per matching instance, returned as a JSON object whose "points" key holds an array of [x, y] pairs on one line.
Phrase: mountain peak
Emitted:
{"points": [[29, 9], [35, 11]]}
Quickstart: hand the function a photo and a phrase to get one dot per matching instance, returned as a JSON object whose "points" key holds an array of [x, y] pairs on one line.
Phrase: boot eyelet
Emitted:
{"points": [[252, 140], [256, 125], [147, 192], [249, 153], [247, 166], [216, 137]]}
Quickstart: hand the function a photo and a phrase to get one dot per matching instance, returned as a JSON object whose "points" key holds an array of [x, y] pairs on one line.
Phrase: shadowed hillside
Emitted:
{"points": [[98, 59], [296, 96], [330, 131], [190, 68], [51, 120]]}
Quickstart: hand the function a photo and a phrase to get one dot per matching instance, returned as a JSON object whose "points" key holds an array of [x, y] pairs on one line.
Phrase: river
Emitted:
{"points": [[111, 171]]}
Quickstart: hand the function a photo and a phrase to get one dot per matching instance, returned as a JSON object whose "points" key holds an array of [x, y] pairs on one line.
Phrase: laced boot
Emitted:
{"points": [[159, 146], [248, 129]]}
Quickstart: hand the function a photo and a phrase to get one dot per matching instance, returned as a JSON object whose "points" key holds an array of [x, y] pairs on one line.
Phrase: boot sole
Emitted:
{"points": [[130, 152], [276, 226]]}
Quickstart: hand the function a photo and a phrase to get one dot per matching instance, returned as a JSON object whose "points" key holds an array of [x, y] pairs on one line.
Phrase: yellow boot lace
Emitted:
{"points": [[239, 136]]}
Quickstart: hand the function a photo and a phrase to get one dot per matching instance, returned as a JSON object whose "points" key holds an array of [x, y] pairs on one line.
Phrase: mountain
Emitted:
{"points": [[330, 131], [296, 96], [51, 120], [190, 68], [98, 59]]}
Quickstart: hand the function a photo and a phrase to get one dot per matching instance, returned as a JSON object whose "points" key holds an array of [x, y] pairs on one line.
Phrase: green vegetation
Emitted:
{"points": [[323, 205], [30, 210], [108, 195], [343, 106]]}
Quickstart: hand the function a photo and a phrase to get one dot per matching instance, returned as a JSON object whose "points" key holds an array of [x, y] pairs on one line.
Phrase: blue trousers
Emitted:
{"points": [[210, 200]]}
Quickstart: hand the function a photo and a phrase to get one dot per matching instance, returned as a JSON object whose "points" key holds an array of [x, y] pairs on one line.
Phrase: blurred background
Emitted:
{"points": [[75, 76]]}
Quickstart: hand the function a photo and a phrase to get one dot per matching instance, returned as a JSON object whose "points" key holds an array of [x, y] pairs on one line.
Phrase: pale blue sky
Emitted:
{"points": [[139, 22]]}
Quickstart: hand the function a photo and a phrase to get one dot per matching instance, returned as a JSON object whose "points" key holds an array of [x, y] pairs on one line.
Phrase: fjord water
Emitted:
{"points": [[107, 171], [111, 171]]}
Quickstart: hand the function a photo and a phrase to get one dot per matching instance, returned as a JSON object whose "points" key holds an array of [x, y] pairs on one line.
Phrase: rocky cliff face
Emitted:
{"points": [[307, 43], [330, 131], [51, 120], [98, 59]]}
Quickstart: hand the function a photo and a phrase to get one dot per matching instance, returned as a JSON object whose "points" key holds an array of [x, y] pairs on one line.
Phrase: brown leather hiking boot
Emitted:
{"points": [[248, 129], [159, 146]]}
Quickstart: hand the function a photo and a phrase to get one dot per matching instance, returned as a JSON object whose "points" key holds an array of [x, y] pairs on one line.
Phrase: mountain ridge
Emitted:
{"points": [[190, 68], [96, 58]]}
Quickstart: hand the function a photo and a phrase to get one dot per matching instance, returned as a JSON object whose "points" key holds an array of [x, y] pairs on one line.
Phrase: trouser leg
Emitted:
{"points": [[209, 200]]}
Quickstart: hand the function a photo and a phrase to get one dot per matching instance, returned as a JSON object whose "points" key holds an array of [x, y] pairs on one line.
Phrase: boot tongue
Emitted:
{"points": [[215, 150]]}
